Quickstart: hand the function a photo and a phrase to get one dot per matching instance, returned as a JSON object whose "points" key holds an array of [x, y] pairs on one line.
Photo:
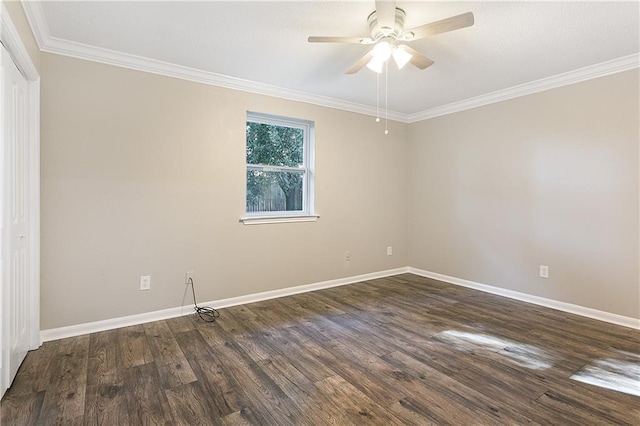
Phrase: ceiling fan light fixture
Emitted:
{"points": [[375, 64], [382, 50], [401, 56]]}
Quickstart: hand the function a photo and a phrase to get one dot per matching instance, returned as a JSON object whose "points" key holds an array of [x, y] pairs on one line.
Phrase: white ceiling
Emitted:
{"points": [[265, 43]]}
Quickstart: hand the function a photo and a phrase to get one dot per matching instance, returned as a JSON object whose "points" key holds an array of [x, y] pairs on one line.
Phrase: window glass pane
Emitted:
{"points": [[274, 145], [274, 191]]}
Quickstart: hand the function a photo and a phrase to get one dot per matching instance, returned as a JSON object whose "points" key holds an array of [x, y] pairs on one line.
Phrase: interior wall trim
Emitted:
{"points": [[536, 300], [18, 52], [109, 324], [613, 66], [48, 43]]}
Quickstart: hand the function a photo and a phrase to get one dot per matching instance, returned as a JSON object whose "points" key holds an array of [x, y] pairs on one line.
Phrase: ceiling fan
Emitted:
{"points": [[387, 32]]}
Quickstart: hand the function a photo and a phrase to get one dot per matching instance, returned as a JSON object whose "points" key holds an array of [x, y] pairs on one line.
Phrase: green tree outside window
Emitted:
{"points": [[276, 167]]}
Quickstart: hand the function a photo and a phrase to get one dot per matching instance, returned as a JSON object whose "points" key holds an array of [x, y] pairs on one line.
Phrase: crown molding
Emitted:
{"points": [[582, 74], [37, 20], [15, 47], [47, 43], [110, 57]]}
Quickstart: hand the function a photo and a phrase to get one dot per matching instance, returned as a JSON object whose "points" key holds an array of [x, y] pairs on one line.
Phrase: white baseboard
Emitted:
{"points": [[536, 300], [92, 327], [109, 324]]}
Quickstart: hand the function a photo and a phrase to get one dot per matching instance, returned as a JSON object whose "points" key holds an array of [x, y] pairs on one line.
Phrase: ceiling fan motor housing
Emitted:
{"points": [[378, 32]]}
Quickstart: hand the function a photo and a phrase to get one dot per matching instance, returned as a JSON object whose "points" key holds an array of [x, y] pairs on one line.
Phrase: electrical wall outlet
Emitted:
{"points": [[189, 275], [347, 256], [544, 271], [145, 282], [389, 251]]}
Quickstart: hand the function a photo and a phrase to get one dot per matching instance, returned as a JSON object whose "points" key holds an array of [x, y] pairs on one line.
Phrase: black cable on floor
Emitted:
{"points": [[204, 312]]}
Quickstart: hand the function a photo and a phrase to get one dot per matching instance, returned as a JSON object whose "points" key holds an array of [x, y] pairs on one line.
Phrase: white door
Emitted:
{"points": [[15, 221]]}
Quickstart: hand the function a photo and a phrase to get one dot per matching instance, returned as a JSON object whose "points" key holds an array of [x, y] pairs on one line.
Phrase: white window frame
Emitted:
{"points": [[307, 214]]}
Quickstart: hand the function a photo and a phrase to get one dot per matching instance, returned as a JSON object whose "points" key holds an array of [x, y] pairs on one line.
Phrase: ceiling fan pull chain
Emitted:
{"points": [[377, 98], [386, 98]]}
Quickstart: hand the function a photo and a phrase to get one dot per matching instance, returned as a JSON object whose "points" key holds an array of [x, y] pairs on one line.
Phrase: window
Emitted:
{"points": [[279, 168]]}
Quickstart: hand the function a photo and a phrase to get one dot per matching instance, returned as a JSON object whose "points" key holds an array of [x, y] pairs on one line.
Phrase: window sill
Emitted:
{"points": [[262, 220]]}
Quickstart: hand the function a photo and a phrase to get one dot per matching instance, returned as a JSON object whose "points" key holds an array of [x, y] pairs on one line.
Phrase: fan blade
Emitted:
{"points": [[354, 40], [443, 26], [417, 59], [386, 11], [360, 64]]}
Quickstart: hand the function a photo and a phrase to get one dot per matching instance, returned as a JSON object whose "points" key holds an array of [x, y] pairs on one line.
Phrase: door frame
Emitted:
{"points": [[12, 43]]}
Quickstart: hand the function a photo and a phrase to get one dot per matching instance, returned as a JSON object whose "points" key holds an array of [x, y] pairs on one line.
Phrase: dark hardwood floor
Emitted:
{"points": [[400, 350]]}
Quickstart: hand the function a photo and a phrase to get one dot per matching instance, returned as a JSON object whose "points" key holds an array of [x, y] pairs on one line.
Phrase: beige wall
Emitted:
{"points": [[144, 174], [550, 178], [16, 12]]}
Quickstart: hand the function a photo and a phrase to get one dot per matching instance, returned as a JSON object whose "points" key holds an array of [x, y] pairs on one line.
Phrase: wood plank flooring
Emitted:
{"points": [[399, 350]]}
